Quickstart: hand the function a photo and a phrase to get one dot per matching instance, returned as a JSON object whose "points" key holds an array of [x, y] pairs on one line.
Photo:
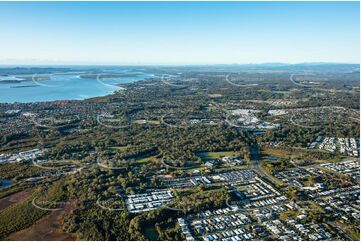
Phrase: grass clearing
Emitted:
{"points": [[269, 175], [146, 159], [119, 147], [294, 154]]}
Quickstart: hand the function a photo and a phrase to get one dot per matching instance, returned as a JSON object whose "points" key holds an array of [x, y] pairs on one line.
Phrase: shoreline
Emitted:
{"points": [[119, 85], [61, 100]]}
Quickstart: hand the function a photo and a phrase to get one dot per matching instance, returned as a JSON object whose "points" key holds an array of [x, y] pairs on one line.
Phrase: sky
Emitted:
{"points": [[171, 33]]}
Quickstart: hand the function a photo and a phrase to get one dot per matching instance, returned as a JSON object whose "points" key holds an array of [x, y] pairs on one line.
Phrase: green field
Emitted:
{"points": [[119, 147], [146, 159]]}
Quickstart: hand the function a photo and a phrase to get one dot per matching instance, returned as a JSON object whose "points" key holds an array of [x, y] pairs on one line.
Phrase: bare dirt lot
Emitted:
{"points": [[47, 228], [14, 198]]}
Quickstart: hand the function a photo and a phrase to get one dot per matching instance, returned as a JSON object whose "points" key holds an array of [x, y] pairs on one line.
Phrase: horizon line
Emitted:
{"points": [[185, 64]]}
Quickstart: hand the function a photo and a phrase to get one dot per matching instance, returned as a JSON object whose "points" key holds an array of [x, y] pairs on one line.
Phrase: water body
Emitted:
{"points": [[64, 86], [255, 153], [5, 184], [272, 158]]}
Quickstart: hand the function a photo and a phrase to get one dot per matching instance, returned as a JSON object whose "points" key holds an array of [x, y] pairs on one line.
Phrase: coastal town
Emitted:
{"points": [[180, 120], [176, 168]]}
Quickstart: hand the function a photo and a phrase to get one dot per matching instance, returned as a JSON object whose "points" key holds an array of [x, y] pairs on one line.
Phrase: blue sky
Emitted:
{"points": [[178, 32]]}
